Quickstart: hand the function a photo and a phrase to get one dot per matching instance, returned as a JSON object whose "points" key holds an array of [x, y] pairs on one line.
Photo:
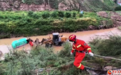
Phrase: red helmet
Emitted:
{"points": [[72, 38]]}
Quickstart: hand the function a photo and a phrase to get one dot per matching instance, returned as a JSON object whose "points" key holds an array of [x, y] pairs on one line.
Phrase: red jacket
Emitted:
{"points": [[80, 45]]}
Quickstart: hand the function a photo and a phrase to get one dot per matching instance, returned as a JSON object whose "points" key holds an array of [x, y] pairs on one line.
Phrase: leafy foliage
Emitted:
{"points": [[60, 14], [118, 8], [54, 14], [22, 63], [108, 47], [45, 14], [38, 23], [67, 15]]}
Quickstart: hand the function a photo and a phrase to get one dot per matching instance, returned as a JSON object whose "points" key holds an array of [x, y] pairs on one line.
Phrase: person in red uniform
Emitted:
{"points": [[30, 41], [78, 50]]}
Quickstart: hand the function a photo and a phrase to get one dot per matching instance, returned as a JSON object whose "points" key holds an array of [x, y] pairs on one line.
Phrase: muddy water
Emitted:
{"points": [[8, 41], [82, 33]]}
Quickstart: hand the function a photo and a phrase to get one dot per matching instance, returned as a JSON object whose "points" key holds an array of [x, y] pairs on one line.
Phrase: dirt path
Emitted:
{"points": [[84, 35]]}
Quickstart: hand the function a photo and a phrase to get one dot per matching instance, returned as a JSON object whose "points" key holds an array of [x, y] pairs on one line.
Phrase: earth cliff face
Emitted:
{"points": [[23, 6], [40, 5], [18, 5]]}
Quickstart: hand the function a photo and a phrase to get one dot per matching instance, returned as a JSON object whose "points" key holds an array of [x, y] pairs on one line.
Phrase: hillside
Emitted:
{"points": [[40, 5]]}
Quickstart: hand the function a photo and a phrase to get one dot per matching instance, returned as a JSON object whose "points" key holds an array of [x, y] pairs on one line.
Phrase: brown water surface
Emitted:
{"points": [[8, 41]]}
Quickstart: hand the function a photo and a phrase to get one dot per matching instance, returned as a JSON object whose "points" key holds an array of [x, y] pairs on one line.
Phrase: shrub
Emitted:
{"points": [[41, 59], [74, 14], [118, 8], [108, 47], [45, 15], [2, 69], [36, 15], [67, 15], [54, 14], [60, 14], [65, 52], [80, 15], [25, 23], [30, 13]]}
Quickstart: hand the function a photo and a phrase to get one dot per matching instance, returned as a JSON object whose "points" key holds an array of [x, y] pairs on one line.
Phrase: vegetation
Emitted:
{"points": [[23, 23], [61, 63], [14, 23], [118, 8], [108, 47]]}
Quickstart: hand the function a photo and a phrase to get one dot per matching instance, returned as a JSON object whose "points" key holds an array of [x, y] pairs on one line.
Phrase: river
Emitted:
{"points": [[84, 35]]}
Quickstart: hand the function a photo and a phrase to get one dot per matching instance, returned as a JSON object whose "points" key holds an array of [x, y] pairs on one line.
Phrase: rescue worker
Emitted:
{"points": [[30, 41], [78, 50]]}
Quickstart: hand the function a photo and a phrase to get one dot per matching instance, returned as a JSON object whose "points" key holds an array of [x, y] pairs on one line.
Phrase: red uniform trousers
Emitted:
{"points": [[78, 58]]}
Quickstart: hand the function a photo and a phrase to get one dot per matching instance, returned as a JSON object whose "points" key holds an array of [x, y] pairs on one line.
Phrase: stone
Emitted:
{"points": [[108, 68], [91, 27]]}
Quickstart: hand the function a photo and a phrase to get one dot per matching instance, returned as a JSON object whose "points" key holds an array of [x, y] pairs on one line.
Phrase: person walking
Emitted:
{"points": [[79, 49]]}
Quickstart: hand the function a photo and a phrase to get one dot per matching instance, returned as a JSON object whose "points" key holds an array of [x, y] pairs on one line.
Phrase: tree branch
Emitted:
{"points": [[107, 57]]}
